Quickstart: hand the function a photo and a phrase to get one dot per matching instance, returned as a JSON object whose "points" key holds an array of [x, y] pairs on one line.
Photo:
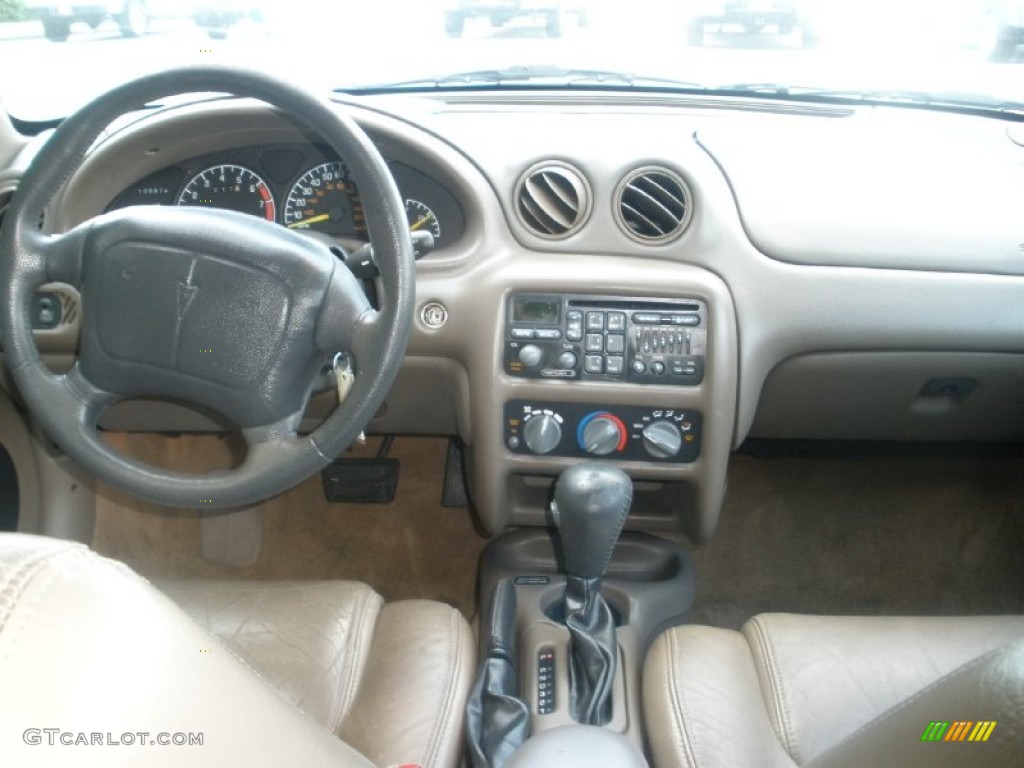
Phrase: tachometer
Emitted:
{"points": [[232, 187], [324, 198], [421, 218]]}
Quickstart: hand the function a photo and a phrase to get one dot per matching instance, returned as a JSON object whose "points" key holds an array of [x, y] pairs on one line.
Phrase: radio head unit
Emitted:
{"points": [[606, 338]]}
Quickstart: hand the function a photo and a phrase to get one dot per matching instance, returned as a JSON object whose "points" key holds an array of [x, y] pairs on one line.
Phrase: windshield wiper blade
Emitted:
{"points": [[531, 75], [878, 96]]}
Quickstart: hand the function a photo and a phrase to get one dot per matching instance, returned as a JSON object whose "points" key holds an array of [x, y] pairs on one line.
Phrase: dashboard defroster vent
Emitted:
{"points": [[653, 205], [553, 200]]}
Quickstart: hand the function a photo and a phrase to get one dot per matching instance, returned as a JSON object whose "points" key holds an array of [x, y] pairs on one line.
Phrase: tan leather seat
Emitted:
{"points": [[305, 674], [831, 692]]}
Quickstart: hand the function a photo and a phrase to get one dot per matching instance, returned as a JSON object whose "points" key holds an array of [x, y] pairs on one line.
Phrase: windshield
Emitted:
{"points": [[56, 55]]}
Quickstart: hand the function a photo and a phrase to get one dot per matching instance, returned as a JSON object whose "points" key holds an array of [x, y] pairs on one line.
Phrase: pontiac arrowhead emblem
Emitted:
{"points": [[187, 292]]}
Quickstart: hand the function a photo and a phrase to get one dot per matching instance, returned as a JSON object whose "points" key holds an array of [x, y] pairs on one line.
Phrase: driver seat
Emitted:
{"points": [[98, 664]]}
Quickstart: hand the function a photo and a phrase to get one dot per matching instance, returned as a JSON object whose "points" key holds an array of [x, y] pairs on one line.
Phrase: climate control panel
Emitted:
{"points": [[629, 433]]}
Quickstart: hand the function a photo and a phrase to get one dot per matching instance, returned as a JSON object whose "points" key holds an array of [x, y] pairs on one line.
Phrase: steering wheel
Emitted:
{"points": [[212, 307]]}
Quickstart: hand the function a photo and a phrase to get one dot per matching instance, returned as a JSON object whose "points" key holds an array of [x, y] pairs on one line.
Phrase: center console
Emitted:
{"points": [[642, 376], [570, 615], [589, 373]]}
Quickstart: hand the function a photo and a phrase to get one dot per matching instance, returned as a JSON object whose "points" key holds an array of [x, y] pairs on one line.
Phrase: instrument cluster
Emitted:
{"points": [[300, 186]]}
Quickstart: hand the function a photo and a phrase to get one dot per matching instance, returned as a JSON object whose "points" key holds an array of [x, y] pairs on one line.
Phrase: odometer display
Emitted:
{"points": [[324, 198], [232, 187]]}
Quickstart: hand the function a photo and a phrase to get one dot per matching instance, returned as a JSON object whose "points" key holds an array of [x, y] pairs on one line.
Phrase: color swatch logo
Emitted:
{"points": [[958, 730]]}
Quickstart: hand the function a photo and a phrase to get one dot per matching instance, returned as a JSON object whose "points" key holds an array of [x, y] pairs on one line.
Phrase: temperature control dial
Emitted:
{"points": [[601, 433], [662, 439], [542, 433]]}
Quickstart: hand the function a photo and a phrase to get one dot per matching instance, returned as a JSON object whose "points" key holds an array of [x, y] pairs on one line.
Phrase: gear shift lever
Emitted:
{"points": [[590, 507]]}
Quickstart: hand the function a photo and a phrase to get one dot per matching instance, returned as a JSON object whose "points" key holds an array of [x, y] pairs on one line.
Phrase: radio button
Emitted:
{"points": [[548, 334], [530, 355], [593, 364], [616, 343], [646, 318], [614, 364], [595, 342], [522, 333], [574, 325], [616, 321], [688, 320], [568, 360], [595, 321]]}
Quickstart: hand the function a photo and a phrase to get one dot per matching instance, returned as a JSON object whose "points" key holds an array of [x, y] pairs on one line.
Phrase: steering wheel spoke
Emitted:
{"points": [[365, 334], [346, 311], [92, 400], [285, 429], [62, 256]]}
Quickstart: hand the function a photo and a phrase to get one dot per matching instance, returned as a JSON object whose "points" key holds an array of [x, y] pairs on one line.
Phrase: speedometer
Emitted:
{"points": [[232, 187], [422, 218], [325, 199]]}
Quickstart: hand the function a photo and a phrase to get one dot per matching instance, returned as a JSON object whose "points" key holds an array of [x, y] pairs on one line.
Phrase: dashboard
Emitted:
{"points": [[724, 269]]}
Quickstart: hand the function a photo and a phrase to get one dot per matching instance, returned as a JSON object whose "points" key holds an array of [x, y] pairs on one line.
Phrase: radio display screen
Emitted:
{"points": [[536, 309]]}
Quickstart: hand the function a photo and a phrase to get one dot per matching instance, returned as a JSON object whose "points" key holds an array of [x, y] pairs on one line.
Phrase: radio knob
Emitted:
{"points": [[602, 434], [542, 433], [530, 355], [568, 360], [662, 439]]}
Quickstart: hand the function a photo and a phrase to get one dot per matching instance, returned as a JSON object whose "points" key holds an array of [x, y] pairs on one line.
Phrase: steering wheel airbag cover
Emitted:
{"points": [[193, 322]]}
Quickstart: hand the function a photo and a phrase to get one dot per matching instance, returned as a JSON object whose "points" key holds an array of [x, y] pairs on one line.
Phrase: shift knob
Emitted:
{"points": [[590, 507]]}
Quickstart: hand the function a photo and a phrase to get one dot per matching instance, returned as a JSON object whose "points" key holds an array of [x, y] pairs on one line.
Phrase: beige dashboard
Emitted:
{"points": [[823, 320]]}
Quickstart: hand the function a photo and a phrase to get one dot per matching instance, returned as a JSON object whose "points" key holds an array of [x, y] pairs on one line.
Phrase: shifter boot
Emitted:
{"points": [[592, 651], [590, 507]]}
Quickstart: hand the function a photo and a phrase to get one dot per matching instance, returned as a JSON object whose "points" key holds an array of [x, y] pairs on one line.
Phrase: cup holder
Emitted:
{"points": [[649, 584], [637, 557]]}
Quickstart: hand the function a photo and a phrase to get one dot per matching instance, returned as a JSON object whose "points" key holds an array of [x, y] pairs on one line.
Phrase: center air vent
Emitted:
{"points": [[653, 205], [552, 200]]}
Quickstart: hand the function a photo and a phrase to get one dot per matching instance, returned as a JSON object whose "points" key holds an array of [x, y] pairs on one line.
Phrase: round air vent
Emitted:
{"points": [[553, 200], [653, 205]]}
